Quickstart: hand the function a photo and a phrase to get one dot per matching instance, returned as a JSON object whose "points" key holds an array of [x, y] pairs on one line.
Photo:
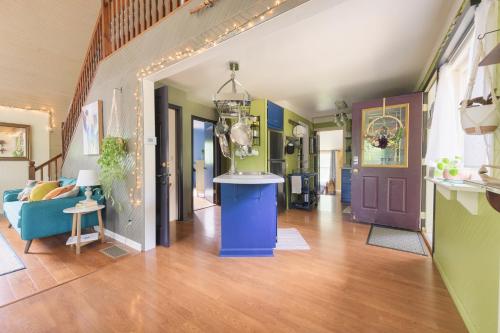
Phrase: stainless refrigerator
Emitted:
{"points": [[276, 163]]}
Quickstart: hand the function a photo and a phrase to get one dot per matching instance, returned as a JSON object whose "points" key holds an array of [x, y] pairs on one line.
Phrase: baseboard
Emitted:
{"points": [[458, 303], [122, 239]]}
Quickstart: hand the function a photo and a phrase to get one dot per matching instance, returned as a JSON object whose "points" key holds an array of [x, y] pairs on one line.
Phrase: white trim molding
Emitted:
{"points": [[122, 239]]}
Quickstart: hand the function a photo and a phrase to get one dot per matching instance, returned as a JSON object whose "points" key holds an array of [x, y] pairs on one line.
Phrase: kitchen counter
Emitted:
{"points": [[249, 178], [249, 214]]}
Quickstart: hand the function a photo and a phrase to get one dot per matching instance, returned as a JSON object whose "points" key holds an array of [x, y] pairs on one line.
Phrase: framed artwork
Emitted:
{"points": [[15, 142], [92, 128]]}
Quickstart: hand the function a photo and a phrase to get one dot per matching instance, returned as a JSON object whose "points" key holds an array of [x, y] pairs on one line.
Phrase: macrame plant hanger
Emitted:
{"points": [[470, 87], [114, 129]]}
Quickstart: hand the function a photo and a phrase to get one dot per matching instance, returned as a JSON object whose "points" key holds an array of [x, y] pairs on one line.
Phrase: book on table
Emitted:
{"points": [[85, 238]]}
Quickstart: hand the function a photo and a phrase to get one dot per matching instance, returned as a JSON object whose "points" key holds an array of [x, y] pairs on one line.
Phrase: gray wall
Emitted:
{"points": [[119, 70]]}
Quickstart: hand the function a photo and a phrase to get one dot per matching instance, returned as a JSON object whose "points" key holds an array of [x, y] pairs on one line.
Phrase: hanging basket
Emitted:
{"points": [[479, 120], [479, 116]]}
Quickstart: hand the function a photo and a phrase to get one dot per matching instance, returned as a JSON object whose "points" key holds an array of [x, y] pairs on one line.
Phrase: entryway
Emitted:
{"points": [[204, 163], [331, 159]]}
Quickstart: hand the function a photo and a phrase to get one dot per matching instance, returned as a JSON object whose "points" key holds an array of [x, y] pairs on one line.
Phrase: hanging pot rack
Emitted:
{"points": [[232, 104]]}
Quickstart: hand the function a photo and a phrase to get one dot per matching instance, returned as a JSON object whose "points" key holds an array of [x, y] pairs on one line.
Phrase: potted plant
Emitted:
{"points": [[114, 151], [479, 116], [451, 169]]}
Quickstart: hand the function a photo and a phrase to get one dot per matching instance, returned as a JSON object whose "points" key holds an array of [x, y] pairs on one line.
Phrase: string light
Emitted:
{"points": [[50, 111], [135, 192]]}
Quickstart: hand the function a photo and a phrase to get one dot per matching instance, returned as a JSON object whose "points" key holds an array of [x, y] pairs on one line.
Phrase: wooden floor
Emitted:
{"points": [[340, 285], [49, 264]]}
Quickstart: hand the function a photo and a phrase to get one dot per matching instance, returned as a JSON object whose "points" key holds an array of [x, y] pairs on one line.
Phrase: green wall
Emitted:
{"points": [[257, 163], [189, 109], [467, 254]]}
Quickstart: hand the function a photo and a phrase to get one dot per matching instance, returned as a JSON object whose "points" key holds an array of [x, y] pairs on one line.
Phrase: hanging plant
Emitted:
{"points": [[111, 160]]}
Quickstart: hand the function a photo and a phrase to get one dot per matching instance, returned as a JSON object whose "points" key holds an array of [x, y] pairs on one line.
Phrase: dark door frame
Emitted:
{"points": [[217, 160], [179, 164], [178, 167]]}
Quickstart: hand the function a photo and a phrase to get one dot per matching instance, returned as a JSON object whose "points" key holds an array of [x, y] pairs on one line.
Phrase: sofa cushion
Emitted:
{"points": [[73, 192], [58, 191], [25, 193], [41, 189], [64, 181]]}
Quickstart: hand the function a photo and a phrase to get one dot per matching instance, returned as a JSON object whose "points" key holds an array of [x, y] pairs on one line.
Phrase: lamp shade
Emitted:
{"points": [[87, 178]]}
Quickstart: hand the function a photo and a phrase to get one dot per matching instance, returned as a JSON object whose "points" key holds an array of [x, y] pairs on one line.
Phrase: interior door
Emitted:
{"points": [[209, 161], [386, 164], [172, 165], [162, 176]]}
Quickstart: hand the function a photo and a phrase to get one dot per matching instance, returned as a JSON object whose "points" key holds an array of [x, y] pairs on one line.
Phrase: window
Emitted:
{"points": [[446, 137]]}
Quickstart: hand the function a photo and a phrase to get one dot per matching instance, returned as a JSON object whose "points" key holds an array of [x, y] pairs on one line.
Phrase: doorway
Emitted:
{"points": [[331, 158], [387, 157], [205, 165], [168, 129]]}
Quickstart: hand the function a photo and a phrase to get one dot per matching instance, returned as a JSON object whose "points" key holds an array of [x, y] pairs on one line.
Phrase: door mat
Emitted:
{"points": [[114, 252], [290, 239], [9, 261], [396, 239]]}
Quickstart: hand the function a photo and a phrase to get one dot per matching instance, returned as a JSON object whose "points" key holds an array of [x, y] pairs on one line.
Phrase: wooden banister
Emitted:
{"points": [[52, 166], [119, 22]]}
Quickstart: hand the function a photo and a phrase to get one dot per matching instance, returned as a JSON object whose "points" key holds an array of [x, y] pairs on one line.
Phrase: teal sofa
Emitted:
{"points": [[45, 218]]}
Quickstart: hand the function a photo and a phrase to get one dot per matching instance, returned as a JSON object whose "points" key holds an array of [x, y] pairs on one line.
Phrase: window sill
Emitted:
{"points": [[467, 193]]}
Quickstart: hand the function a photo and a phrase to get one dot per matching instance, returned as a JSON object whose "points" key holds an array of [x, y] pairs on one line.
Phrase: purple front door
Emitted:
{"points": [[387, 155]]}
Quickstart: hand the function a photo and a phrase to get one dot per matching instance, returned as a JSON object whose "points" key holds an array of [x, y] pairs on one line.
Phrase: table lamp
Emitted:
{"points": [[87, 178]]}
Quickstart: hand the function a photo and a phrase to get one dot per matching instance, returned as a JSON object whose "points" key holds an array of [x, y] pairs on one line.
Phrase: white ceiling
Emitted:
{"points": [[42, 46], [349, 50]]}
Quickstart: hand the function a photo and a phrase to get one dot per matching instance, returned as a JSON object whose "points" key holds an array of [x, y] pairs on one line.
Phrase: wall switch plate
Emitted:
{"points": [[150, 141]]}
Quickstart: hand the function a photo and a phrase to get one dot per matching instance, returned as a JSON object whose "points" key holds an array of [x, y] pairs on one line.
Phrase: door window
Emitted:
{"points": [[384, 136]]}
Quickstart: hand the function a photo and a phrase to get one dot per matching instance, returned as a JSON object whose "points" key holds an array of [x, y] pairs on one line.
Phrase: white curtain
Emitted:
{"points": [[445, 138], [478, 149]]}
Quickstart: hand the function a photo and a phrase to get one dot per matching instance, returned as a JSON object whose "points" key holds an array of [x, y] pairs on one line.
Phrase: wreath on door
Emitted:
{"points": [[384, 131]]}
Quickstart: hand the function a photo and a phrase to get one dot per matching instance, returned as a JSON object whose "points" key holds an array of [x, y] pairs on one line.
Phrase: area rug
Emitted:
{"points": [[9, 261], [397, 239], [290, 239]]}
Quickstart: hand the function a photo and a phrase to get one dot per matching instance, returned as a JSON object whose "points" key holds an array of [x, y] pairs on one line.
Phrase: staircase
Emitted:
{"points": [[50, 170], [119, 22]]}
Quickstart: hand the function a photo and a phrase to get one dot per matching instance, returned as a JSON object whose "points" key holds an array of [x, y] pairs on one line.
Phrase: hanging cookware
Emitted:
{"points": [[221, 128], [224, 146], [241, 133]]}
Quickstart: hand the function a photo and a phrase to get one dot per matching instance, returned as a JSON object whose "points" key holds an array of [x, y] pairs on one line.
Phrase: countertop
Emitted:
{"points": [[249, 178]]}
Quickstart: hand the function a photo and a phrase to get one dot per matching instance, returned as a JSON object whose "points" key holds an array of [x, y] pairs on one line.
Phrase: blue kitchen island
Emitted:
{"points": [[249, 214]]}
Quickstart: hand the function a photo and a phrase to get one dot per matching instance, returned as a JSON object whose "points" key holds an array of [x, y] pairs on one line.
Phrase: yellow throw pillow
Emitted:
{"points": [[58, 191], [40, 190]]}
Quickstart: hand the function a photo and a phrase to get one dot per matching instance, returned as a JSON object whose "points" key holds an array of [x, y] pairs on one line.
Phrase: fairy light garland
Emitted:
{"points": [[50, 111], [135, 192]]}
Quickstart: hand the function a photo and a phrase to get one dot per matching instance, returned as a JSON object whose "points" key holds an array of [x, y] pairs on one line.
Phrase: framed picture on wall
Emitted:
{"points": [[92, 128], [15, 142]]}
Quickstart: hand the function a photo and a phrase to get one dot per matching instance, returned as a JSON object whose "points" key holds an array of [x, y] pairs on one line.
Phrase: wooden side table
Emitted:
{"points": [[76, 229]]}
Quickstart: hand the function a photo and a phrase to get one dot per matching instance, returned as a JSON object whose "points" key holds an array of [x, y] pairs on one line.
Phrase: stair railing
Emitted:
{"points": [[119, 22], [49, 170]]}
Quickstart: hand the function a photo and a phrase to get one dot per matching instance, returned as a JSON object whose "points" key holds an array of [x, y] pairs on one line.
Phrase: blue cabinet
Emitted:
{"points": [[275, 114], [249, 220], [345, 196]]}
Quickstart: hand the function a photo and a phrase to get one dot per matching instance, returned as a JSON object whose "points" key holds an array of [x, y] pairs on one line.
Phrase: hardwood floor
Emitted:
{"points": [[340, 285], [49, 264]]}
